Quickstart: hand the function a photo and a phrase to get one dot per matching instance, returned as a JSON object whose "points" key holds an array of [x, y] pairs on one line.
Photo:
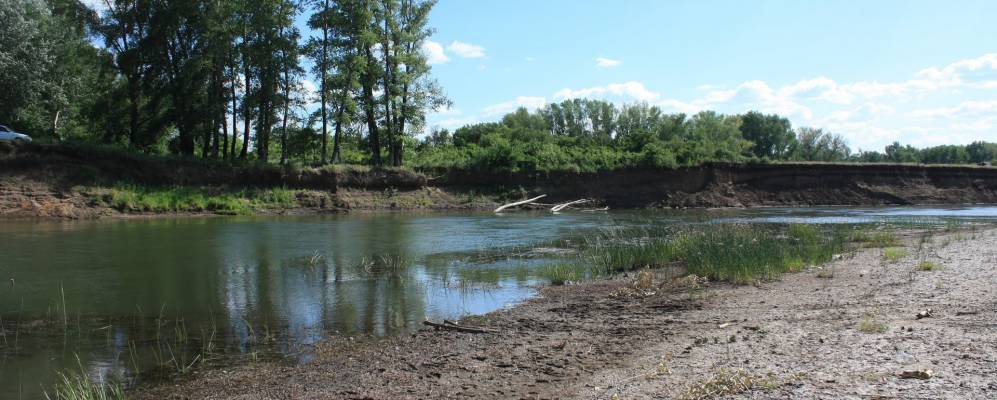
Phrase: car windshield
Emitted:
{"points": [[4, 129]]}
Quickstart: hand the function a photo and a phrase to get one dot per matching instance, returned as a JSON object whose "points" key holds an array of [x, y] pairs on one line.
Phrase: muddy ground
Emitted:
{"points": [[847, 329]]}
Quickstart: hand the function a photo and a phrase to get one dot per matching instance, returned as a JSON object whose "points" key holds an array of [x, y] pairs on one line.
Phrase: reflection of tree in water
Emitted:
{"points": [[349, 276]]}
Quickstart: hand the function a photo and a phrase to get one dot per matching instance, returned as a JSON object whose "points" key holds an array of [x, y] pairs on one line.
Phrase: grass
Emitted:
{"points": [[872, 325], [894, 254], [193, 199], [559, 274], [737, 253], [78, 385], [875, 239], [927, 266], [726, 383]]}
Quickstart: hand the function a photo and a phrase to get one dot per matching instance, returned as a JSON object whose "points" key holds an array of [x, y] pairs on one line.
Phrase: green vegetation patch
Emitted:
{"points": [[894, 254], [876, 239], [731, 252], [192, 199], [927, 266], [872, 325]]}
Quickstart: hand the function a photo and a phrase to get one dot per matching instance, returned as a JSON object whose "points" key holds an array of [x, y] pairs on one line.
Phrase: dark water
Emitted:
{"points": [[113, 297]]}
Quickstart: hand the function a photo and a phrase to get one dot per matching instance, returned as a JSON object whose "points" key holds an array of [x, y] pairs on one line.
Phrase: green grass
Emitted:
{"points": [[927, 266], [193, 199], [894, 254], [731, 252], [875, 239], [77, 385], [559, 274], [872, 325]]}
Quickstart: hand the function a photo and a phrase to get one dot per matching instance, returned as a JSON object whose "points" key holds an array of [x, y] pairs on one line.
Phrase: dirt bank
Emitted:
{"points": [[67, 182], [846, 330]]}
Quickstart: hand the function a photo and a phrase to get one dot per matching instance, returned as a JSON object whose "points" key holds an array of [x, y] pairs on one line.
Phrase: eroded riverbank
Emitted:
{"points": [[844, 330], [57, 181]]}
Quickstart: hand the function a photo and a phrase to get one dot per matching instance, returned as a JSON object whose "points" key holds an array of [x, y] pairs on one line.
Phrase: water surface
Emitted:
{"points": [[107, 294]]}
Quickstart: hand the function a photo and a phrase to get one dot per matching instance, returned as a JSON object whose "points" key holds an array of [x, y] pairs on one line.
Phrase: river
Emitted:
{"points": [[140, 299]]}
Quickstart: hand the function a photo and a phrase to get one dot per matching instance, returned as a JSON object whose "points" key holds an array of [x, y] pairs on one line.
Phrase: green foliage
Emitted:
{"points": [[736, 253], [187, 199]]}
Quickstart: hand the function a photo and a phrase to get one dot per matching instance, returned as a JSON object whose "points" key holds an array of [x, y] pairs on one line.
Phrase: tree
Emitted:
{"points": [[818, 145], [772, 135]]}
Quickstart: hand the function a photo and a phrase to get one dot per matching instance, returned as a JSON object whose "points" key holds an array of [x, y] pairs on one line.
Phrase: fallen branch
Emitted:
{"points": [[449, 325], [519, 203], [562, 206]]}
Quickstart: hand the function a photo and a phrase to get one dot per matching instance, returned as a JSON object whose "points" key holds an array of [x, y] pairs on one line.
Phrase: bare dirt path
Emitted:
{"points": [[845, 330]]}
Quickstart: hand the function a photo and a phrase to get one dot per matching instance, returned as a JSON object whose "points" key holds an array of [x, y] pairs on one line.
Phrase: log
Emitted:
{"points": [[454, 327], [519, 203], [562, 206]]}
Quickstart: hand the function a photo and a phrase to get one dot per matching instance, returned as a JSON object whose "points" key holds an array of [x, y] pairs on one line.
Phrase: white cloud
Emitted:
{"points": [[964, 109], [632, 89], [530, 102], [603, 62], [466, 50], [434, 52]]}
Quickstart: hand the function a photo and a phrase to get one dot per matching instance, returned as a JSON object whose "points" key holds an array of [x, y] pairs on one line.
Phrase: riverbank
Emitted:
{"points": [[62, 181], [847, 329]]}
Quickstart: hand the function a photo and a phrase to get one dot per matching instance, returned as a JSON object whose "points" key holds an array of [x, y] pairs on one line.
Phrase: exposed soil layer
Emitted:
{"points": [[58, 181], [845, 330]]}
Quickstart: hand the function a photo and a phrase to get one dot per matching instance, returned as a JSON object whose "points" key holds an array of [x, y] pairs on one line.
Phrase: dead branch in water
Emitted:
{"points": [[562, 206], [450, 325], [519, 203]]}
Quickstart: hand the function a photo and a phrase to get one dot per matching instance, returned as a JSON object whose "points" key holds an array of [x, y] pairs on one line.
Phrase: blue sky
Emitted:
{"points": [[921, 72]]}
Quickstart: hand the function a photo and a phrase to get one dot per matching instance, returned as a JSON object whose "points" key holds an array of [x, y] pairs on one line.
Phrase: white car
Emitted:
{"points": [[8, 135]]}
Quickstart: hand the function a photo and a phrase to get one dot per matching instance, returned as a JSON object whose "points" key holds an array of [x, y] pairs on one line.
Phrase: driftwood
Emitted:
{"points": [[450, 325], [519, 203], [562, 206]]}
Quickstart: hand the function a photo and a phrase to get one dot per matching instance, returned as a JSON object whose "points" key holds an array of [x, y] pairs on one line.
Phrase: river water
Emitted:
{"points": [[137, 299]]}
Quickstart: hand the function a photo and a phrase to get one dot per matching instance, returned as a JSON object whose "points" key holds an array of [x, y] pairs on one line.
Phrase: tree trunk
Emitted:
{"points": [[287, 102], [324, 89], [235, 118], [247, 117], [368, 96], [385, 47]]}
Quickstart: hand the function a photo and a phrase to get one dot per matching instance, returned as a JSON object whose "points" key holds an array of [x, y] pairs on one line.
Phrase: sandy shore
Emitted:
{"points": [[847, 329]]}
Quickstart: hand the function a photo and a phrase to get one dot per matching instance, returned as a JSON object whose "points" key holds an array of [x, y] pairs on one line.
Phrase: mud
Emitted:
{"points": [[798, 337]]}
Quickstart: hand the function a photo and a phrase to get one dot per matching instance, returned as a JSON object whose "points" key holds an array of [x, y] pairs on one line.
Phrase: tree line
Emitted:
{"points": [[195, 77], [595, 135]]}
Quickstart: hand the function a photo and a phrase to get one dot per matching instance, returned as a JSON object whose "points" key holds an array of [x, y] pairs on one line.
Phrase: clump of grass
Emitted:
{"points": [[559, 274], [744, 254], [725, 383], [875, 239], [926, 266], [78, 385], [732, 252], [872, 325], [894, 254]]}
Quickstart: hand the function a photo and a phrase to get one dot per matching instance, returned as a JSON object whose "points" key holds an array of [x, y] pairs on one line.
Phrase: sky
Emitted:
{"points": [[920, 72]]}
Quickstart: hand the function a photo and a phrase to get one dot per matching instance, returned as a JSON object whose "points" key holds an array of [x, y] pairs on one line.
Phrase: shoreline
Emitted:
{"points": [[804, 335]]}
